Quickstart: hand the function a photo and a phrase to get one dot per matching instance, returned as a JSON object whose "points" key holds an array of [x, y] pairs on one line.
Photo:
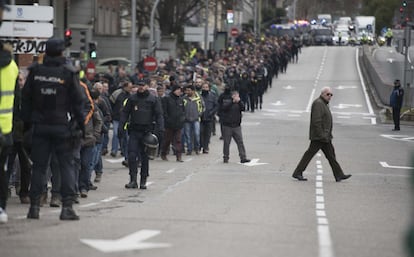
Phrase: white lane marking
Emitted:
{"points": [[340, 87], [170, 171], [294, 115], [364, 88], [319, 171], [278, 103], [373, 121], [324, 236], [320, 213], [149, 183], [346, 106], [188, 160], [308, 108], [322, 221], [343, 117], [88, 205], [130, 242], [248, 123], [109, 199], [254, 162], [399, 137], [325, 242], [386, 165], [119, 160]]}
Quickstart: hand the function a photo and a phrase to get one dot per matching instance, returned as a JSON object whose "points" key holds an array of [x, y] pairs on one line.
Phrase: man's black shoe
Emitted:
{"points": [[143, 183], [125, 163], [299, 177], [244, 160], [33, 212], [343, 177], [132, 184], [396, 129], [68, 213]]}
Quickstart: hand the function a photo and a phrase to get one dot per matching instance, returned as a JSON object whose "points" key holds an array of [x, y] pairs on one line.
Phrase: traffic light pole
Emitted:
{"points": [[407, 43]]}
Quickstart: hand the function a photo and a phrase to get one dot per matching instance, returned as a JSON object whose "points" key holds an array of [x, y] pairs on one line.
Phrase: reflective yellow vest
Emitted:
{"points": [[8, 76]]}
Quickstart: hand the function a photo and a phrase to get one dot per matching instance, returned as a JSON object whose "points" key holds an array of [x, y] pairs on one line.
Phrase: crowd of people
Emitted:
{"points": [[181, 103]]}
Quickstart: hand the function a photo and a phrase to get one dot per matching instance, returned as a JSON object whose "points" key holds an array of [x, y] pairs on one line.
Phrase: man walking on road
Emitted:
{"points": [[320, 135]]}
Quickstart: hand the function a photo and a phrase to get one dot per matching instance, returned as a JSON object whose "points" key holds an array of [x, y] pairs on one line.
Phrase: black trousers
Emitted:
{"points": [[136, 153], [4, 179], [329, 151], [396, 111], [25, 166], [43, 146], [205, 134]]}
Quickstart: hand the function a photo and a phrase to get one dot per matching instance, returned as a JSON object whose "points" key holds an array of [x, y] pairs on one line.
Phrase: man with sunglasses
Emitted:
{"points": [[321, 137]]}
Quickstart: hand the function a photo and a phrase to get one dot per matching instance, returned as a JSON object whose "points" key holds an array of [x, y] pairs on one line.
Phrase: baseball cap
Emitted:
{"points": [[54, 46]]}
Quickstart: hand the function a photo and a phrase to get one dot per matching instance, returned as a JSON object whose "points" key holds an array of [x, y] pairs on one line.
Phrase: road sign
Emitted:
{"points": [[90, 70], [234, 32], [26, 29], [150, 63], [29, 13]]}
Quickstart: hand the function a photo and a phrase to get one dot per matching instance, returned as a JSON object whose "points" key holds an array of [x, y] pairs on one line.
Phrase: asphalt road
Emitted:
{"points": [[203, 207]]}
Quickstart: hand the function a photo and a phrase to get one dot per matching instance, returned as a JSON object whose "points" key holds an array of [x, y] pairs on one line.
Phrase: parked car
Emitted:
{"points": [[322, 36], [102, 65]]}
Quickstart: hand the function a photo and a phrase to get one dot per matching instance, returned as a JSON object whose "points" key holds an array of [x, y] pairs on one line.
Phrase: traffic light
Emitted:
{"points": [[68, 37], [404, 3], [83, 41], [92, 50]]}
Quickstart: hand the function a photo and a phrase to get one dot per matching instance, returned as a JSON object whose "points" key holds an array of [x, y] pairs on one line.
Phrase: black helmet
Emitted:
{"points": [[151, 144]]}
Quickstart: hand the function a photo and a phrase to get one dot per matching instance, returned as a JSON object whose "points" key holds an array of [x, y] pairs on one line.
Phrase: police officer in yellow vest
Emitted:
{"points": [[8, 78]]}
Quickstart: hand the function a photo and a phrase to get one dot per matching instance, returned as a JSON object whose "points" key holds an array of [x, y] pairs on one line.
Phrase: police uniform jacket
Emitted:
{"points": [[141, 110], [321, 121], [51, 96]]}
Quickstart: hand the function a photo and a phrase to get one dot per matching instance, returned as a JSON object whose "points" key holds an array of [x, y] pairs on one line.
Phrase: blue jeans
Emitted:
{"points": [[97, 160], [115, 140], [192, 131], [87, 154]]}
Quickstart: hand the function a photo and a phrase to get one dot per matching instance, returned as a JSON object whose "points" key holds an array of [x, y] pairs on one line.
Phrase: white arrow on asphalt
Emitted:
{"points": [[288, 87], [345, 106], [345, 87], [385, 165], [127, 243], [278, 103], [399, 137], [115, 160], [390, 60], [254, 162]]}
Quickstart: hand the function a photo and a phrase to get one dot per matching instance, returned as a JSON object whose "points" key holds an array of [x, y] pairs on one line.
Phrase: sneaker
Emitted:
{"points": [[54, 201], [113, 154], [98, 177], [84, 194], [125, 163], [92, 187], [3, 216], [104, 152], [244, 160]]}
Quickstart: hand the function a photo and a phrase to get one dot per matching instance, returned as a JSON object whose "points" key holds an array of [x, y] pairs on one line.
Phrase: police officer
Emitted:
{"points": [[141, 110], [8, 76], [52, 100]]}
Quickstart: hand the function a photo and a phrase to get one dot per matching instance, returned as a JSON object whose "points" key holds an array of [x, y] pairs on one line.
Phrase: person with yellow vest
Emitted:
{"points": [[8, 78], [194, 108]]}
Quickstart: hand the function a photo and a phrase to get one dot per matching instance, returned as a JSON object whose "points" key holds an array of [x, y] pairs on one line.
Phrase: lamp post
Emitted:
{"points": [[151, 43]]}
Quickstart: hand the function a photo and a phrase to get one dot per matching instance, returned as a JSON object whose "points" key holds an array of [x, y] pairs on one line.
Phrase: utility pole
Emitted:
{"points": [[151, 43], [133, 33], [206, 30]]}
